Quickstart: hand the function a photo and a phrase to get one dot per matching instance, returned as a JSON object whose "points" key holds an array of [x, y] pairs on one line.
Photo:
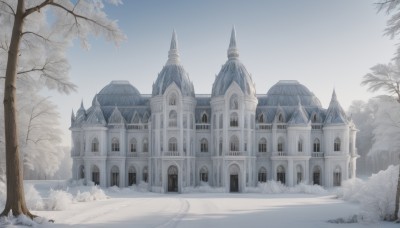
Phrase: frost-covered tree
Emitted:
{"points": [[391, 7], [387, 78], [34, 36], [39, 134]]}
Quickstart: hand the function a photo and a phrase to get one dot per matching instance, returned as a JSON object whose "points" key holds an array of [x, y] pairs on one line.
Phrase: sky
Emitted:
{"points": [[323, 44]]}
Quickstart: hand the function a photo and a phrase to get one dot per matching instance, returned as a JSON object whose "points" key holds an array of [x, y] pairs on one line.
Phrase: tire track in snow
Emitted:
{"points": [[174, 221], [88, 216]]}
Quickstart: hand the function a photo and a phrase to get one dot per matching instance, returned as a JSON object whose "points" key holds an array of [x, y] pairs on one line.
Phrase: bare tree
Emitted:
{"points": [[386, 78], [35, 49]]}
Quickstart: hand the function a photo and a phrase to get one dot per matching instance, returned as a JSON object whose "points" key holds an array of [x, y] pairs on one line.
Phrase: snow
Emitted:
{"points": [[269, 204]]}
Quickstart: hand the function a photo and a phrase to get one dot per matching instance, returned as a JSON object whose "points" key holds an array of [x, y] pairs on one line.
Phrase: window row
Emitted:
{"points": [[262, 145], [115, 145]]}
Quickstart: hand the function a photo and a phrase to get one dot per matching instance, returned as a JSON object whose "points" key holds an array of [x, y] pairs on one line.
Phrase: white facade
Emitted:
{"points": [[232, 138]]}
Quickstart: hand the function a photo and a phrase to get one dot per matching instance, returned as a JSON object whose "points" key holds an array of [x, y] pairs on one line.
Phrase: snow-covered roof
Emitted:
{"points": [[233, 71], [118, 93], [173, 72], [335, 113], [288, 93]]}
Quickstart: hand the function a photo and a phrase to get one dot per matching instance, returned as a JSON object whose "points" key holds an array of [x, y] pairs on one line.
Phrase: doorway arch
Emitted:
{"points": [[173, 179], [234, 172]]}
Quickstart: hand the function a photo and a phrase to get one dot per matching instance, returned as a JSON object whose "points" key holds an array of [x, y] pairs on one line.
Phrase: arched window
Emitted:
{"points": [[204, 174], [337, 176], [115, 145], [131, 176], [133, 144], [262, 175], [262, 145], [96, 175], [299, 170], [81, 172], [280, 118], [261, 118], [114, 176], [173, 118], [145, 174], [204, 145], [234, 143], [172, 99], [280, 174], [172, 144], [220, 147], [204, 118], [145, 146], [95, 145], [281, 145], [314, 118], [234, 103], [300, 145], [336, 146], [221, 121], [317, 145], [234, 120]]}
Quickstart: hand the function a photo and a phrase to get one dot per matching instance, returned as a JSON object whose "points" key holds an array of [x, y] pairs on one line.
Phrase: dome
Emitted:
{"points": [[118, 93], [233, 71], [289, 93], [173, 72]]}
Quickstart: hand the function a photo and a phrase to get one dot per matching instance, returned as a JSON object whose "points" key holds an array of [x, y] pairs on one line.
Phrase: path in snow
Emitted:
{"points": [[207, 210]]}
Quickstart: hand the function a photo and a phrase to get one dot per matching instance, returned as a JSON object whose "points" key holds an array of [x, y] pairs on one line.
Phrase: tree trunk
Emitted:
{"points": [[15, 189], [396, 210]]}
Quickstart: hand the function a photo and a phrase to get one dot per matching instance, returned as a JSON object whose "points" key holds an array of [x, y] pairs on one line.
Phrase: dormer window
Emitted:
{"points": [[336, 146], [172, 99], [95, 145], [280, 118], [314, 118], [115, 145], [261, 118]]}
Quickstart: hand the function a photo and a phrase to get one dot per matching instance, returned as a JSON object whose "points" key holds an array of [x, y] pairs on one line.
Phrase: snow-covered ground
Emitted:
{"points": [[88, 207]]}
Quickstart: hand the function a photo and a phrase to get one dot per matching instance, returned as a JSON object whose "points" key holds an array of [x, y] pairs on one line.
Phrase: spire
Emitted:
{"points": [[335, 113], [82, 105], [96, 102], [334, 98], [72, 116], [232, 50], [173, 54]]}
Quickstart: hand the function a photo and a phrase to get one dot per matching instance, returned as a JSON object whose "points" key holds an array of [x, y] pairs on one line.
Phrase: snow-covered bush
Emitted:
{"points": [[95, 193], [376, 195], [59, 200], [275, 187], [33, 199], [204, 187], [141, 187]]}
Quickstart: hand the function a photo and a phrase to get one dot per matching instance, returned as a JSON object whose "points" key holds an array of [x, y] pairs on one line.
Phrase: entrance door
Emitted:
{"points": [[172, 179], [316, 178], [234, 183], [172, 183]]}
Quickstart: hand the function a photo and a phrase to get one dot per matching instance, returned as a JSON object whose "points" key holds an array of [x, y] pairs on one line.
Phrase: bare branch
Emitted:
{"points": [[12, 10], [36, 8], [35, 34]]}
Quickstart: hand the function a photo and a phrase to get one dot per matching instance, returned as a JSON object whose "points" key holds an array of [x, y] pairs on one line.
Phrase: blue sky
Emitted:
{"points": [[323, 44]]}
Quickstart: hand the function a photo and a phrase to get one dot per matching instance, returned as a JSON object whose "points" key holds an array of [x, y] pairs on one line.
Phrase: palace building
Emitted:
{"points": [[232, 138]]}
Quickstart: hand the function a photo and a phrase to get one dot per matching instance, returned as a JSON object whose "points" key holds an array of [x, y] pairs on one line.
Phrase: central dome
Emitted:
{"points": [[233, 71], [118, 93], [289, 93], [173, 72]]}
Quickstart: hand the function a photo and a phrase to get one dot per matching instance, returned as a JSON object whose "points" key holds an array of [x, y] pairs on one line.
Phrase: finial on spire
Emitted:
{"points": [[173, 55], [334, 98], [232, 50], [72, 115], [82, 105]]}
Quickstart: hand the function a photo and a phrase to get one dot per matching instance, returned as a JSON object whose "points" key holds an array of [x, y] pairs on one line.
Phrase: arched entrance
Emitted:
{"points": [[172, 179], [317, 175], [280, 174], [114, 176], [96, 175], [234, 178]]}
